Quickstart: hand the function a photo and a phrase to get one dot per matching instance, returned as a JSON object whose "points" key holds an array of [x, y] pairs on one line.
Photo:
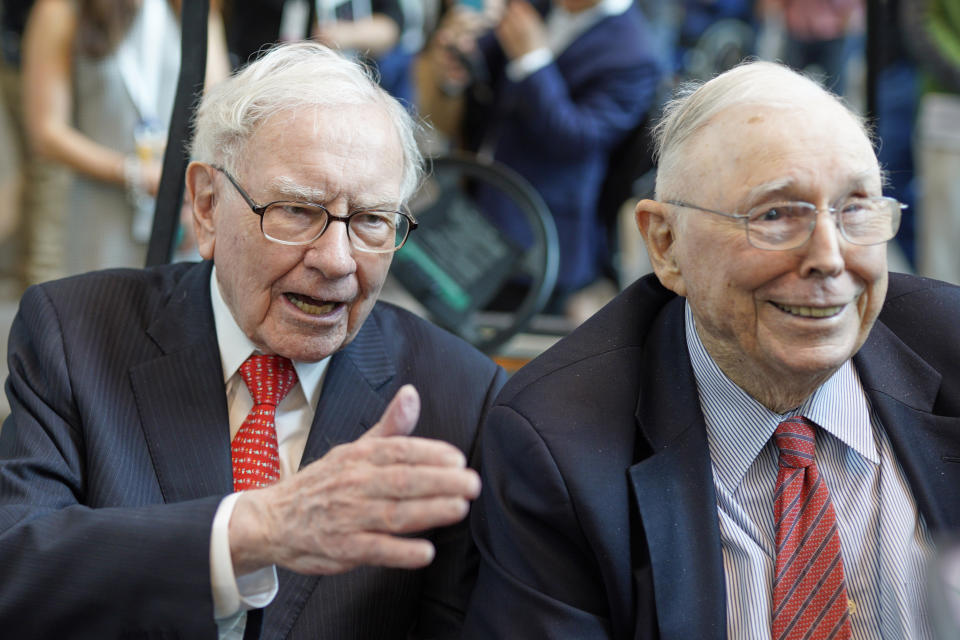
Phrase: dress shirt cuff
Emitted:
{"points": [[233, 594], [528, 64]]}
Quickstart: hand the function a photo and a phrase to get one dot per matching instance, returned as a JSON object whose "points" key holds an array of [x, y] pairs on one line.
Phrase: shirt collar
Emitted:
{"points": [[236, 347], [739, 427]]}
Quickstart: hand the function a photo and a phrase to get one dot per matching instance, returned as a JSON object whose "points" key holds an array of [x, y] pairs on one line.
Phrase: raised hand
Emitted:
{"points": [[521, 30], [350, 507]]}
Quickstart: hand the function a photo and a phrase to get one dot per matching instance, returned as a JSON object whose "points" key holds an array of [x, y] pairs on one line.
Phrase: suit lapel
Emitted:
{"points": [[903, 389], [180, 395], [351, 402], [673, 490]]}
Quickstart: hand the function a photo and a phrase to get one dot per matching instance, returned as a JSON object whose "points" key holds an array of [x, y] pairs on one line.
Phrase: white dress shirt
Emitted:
{"points": [[884, 540], [233, 595]]}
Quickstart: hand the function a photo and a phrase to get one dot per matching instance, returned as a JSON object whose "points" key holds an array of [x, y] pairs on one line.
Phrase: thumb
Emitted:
{"points": [[400, 416]]}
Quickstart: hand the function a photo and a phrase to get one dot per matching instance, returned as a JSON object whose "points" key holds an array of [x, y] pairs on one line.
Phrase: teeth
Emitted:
{"points": [[312, 309], [811, 312]]}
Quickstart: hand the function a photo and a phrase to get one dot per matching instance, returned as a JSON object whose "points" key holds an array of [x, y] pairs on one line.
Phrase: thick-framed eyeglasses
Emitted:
{"points": [[299, 223], [780, 226]]}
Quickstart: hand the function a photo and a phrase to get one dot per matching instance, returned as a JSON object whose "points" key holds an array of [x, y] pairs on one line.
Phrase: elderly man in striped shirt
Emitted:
{"points": [[759, 441]]}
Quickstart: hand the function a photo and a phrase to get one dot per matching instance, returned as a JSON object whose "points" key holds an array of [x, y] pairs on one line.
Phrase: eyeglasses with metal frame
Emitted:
{"points": [[781, 226], [298, 223]]}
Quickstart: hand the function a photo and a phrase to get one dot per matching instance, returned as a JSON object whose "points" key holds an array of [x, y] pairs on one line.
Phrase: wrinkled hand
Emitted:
{"points": [[521, 30], [348, 508]]}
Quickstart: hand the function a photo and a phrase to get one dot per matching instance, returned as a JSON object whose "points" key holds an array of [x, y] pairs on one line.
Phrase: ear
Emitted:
{"points": [[202, 195], [659, 230]]}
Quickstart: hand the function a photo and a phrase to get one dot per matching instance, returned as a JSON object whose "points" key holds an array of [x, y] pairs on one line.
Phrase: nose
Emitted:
{"points": [[331, 253], [823, 252]]}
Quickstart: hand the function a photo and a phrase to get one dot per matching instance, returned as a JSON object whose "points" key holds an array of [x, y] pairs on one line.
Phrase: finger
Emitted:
{"points": [[408, 482], [409, 450], [365, 548], [388, 551], [411, 516], [400, 416]]}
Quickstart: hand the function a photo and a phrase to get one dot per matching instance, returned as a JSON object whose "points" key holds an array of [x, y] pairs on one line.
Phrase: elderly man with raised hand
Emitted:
{"points": [[761, 440], [192, 442]]}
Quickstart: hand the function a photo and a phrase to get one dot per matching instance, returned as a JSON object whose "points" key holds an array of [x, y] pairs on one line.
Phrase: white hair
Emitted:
{"points": [[694, 104], [290, 77]]}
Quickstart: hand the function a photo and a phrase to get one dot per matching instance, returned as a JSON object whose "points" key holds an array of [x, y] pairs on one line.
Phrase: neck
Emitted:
{"points": [[776, 390]]}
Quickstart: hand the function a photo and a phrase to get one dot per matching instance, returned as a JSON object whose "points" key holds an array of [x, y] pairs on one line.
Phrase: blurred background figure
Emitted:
{"points": [[31, 195], [549, 91], [897, 87], [254, 24], [818, 36], [389, 33], [932, 30], [712, 36], [99, 83], [386, 34]]}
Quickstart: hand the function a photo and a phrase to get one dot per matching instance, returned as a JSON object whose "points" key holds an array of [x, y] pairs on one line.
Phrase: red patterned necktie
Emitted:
{"points": [[256, 458], [809, 592]]}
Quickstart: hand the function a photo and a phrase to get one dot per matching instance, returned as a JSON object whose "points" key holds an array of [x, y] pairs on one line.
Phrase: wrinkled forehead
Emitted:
{"points": [[332, 125], [799, 151]]}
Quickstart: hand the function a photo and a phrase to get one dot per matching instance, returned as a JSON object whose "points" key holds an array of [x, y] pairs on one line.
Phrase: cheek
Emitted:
{"points": [[868, 265], [875, 295], [255, 268], [372, 272]]}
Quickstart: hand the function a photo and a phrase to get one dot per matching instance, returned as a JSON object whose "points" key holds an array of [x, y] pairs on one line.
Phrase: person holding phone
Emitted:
{"points": [[548, 91]]}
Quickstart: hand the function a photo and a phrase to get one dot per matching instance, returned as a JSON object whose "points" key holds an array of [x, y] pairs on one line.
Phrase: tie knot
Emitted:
{"points": [[269, 378], [794, 438]]}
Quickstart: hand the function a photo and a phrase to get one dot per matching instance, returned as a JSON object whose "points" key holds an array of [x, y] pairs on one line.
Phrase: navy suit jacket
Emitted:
{"points": [[598, 517], [558, 126], [117, 454]]}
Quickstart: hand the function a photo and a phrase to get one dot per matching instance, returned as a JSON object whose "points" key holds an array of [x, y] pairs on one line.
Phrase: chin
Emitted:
{"points": [[816, 362], [309, 348]]}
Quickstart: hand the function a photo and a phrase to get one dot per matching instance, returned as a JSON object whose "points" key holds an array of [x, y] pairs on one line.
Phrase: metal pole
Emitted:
{"points": [[193, 64]]}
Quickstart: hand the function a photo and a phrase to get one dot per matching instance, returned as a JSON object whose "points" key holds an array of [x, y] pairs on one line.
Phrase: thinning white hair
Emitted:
{"points": [[291, 77], [694, 104]]}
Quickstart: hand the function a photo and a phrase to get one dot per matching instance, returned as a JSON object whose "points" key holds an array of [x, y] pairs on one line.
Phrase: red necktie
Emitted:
{"points": [[256, 458], [809, 592]]}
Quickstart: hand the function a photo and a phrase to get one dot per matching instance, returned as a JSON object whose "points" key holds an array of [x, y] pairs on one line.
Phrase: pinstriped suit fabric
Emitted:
{"points": [[117, 454], [571, 550]]}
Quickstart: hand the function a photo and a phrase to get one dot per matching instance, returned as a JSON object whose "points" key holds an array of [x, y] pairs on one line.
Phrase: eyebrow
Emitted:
{"points": [[288, 188], [763, 191]]}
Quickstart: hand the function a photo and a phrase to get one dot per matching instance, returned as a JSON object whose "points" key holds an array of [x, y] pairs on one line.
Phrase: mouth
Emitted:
{"points": [[312, 306], [810, 312]]}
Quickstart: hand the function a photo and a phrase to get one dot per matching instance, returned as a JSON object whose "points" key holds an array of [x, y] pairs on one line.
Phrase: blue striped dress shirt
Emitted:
{"points": [[885, 541]]}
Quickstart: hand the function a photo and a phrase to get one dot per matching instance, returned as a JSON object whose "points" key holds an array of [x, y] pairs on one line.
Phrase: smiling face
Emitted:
{"points": [[302, 302], [778, 323]]}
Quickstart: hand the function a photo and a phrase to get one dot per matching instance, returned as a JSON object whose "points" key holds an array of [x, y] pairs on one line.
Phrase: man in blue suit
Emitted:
{"points": [[552, 96], [632, 473], [197, 441]]}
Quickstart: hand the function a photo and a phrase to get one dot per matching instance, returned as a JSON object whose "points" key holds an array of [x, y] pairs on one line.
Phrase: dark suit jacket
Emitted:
{"points": [[598, 517], [117, 453], [558, 126]]}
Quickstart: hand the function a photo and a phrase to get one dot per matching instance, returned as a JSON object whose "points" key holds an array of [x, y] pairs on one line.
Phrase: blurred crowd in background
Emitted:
{"points": [[561, 91]]}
